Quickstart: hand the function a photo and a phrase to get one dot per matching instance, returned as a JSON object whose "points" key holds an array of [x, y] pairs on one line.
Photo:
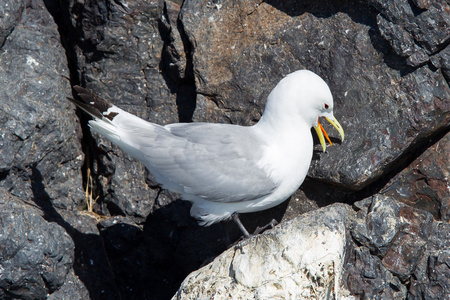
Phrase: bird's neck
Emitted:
{"points": [[274, 124]]}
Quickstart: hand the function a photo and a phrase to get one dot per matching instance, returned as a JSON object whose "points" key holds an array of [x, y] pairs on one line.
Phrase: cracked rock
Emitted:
{"points": [[40, 154], [37, 256], [424, 184], [387, 65], [119, 57]]}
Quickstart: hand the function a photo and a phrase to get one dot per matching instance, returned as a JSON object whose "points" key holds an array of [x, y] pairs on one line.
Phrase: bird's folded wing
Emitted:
{"points": [[215, 162]]}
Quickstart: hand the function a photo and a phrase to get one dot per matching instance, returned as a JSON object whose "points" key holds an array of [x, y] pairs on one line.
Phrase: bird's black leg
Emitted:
{"points": [[235, 217], [271, 225]]}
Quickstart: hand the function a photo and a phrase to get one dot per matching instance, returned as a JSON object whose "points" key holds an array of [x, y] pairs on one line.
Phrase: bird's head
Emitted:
{"points": [[303, 95]]}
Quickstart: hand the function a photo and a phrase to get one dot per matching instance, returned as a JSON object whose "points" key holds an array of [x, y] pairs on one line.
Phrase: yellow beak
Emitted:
{"points": [[321, 132]]}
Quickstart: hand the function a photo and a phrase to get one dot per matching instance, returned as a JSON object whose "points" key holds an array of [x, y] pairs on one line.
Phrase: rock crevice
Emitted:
{"points": [[387, 64]]}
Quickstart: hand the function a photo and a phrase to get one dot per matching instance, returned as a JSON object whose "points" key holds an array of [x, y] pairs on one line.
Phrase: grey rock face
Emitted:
{"points": [[386, 62], [39, 138], [424, 184], [397, 244], [36, 256], [11, 12], [431, 278], [73, 288], [40, 157], [415, 31]]}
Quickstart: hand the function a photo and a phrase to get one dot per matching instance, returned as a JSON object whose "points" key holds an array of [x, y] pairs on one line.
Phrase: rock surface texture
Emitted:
{"points": [[388, 66], [282, 264]]}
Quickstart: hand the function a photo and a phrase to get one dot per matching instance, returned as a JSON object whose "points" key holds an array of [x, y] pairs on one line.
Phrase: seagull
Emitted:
{"points": [[226, 169]]}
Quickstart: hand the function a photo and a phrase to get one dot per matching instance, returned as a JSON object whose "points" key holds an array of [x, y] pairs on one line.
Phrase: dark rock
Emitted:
{"points": [[40, 163], [132, 199], [424, 184], [72, 289], [171, 32], [366, 277], [119, 56], [36, 256], [152, 260], [380, 226], [386, 62], [40, 153], [388, 222], [431, 278], [402, 42], [409, 246], [444, 62], [129, 46], [422, 4], [264, 41], [91, 262], [11, 12], [430, 29]]}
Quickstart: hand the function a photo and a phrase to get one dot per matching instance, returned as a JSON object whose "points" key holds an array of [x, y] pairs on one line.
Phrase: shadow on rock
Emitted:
{"points": [[152, 261], [90, 262]]}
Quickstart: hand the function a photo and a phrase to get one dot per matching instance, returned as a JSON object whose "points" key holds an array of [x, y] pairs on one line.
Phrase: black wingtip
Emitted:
{"points": [[86, 107], [90, 102]]}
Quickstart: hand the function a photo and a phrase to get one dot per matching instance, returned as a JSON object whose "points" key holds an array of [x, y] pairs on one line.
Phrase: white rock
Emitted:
{"points": [[301, 259]]}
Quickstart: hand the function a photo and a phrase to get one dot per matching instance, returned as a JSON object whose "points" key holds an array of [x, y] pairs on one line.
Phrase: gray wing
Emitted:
{"points": [[216, 162]]}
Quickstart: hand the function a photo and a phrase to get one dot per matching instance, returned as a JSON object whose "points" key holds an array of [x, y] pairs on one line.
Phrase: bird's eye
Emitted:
{"points": [[326, 106]]}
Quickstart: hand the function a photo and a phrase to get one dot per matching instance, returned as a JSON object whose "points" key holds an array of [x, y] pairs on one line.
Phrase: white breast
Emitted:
{"points": [[286, 160]]}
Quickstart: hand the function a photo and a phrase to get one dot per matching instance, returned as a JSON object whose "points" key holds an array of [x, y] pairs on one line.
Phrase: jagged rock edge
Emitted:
{"points": [[409, 155]]}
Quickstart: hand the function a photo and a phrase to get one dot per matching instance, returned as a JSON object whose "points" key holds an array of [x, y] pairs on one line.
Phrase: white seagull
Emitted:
{"points": [[226, 169]]}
